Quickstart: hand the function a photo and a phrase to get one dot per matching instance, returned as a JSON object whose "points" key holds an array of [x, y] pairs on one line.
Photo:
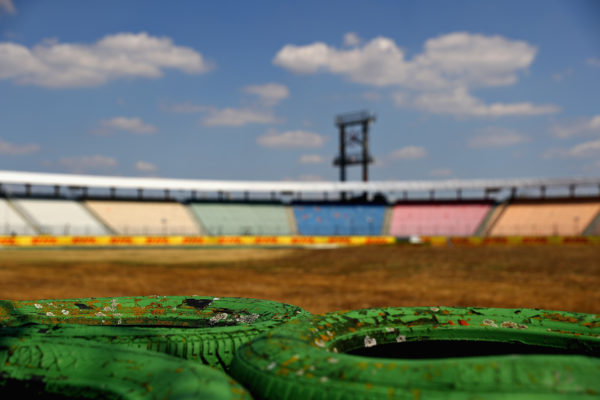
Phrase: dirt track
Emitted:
{"points": [[562, 278]]}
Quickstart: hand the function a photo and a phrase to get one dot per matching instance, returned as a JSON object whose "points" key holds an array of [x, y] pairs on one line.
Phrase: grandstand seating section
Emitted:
{"points": [[11, 222], [437, 219], [145, 217], [325, 219], [60, 217], [522, 217], [545, 219], [243, 219]]}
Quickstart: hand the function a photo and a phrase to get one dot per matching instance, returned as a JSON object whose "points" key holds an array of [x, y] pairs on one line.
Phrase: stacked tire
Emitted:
{"points": [[111, 348]]}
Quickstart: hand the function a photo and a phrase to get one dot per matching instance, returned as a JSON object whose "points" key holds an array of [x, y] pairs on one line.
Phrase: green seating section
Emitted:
{"points": [[243, 219]]}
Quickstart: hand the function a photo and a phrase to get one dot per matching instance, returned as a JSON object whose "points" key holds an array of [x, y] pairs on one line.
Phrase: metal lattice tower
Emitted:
{"points": [[354, 143]]}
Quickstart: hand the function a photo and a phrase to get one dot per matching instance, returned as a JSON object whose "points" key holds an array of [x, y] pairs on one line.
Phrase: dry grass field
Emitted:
{"points": [[320, 280]]}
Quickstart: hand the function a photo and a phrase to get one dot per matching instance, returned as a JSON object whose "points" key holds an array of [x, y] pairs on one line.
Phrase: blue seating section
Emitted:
{"points": [[339, 219]]}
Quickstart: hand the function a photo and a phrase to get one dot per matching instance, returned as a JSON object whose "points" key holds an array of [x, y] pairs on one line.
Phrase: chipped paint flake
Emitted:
{"points": [[513, 325], [400, 339], [247, 319], [489, 322], [218, 317], [370, 342], [434, 309]]}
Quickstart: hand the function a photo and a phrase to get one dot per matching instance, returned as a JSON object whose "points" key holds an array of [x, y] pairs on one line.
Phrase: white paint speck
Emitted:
{"points": [[300, 372], [319, 343], [390, 329], [434, 309], [370, 342], [38, 306], [272, 365], [65, 312], [401, 339], [324, 379], [333, 360], [100, 314], [216, 298], [50, 314]]}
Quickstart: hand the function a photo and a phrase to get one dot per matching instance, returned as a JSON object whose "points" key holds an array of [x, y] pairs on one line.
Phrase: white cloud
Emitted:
{"points": [[441, 172], [80, 164], [352, 39], [497, 137], [144, 166], [311, 159], [269, 94], [8, 6], [454, 59], [594, 62], [125, 124], [579, 127], [582, 150], [291, 139], [443, 73], [237, 117], [11, 149], [124, 55], [409, 153], [186, 108], [459, 102]]}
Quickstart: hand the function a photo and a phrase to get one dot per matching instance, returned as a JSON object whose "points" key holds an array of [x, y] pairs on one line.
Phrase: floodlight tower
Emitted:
{"points": [[351, 138]]}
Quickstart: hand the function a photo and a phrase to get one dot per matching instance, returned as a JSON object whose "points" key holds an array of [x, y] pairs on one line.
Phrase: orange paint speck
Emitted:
{"points": [[463, 322], [450, 322]]}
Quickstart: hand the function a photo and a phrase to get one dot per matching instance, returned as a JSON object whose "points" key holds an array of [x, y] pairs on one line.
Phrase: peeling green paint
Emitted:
{"points": [[77, 369], [307, 359]]}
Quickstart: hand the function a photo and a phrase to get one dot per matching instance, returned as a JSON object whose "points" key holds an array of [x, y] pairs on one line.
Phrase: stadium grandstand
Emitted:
{"points": [[64, 204]]}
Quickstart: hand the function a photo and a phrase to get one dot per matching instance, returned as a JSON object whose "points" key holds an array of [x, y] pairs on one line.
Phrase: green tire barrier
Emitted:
{"points": [[206, 329], [555, 358], [73, 370]]}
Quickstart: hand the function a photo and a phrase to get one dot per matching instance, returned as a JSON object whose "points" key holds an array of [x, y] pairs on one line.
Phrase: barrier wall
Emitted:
{"points": [[11, 222], [190, 241], [437, 219], [242, 219], [145, 217], [60, 217], [339, 219], [544, 219], [508, 240]]}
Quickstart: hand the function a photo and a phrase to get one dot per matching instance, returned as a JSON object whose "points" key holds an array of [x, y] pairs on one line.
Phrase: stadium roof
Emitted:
{"points": [[95, 181]]}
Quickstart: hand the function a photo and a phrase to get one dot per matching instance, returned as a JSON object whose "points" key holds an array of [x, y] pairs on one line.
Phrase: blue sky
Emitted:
{"points": [[240, 90]]}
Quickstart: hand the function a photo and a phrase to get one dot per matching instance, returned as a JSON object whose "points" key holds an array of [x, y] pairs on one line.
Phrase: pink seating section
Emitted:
{"points": [[437, 219]]}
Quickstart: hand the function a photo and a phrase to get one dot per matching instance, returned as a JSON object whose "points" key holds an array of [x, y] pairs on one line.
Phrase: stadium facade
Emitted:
{"points": [[65, 204]]}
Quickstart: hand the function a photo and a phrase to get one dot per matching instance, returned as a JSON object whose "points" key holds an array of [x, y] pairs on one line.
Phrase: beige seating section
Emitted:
{"points": [[564, 219], [145, 218]]}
